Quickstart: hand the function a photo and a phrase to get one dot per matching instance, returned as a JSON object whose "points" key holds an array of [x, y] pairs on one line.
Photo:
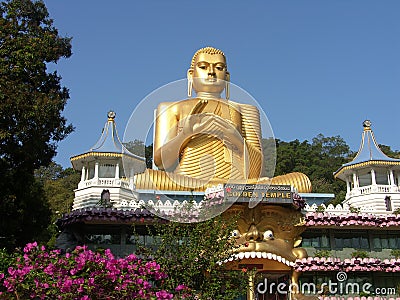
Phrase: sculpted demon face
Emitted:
{"points": [[268, 236]]}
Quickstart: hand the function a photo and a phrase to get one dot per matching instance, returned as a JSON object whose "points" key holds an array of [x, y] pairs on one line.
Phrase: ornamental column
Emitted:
{"points": [[355, 180], [131, 182], [116, 171], [83, 174], [391, 176], [96, 170], [373, 177]]}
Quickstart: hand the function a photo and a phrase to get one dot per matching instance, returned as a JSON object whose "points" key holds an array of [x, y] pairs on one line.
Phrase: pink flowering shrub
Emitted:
{"points": [[84, 275]]}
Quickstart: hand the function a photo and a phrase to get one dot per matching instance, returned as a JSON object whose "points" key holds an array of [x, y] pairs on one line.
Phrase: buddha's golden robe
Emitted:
{"points": [[208, 158]]}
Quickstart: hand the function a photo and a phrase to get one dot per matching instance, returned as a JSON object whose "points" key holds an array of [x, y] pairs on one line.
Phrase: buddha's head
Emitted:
{"points": [[208, 71]]}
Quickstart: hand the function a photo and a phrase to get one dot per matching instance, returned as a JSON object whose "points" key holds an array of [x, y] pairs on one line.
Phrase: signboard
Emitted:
{"points": [[276, 194]]}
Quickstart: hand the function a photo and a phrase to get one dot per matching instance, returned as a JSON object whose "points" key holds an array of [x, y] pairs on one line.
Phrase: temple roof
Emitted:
{"points": [[325, 219], [369, 152], [109, 140], [101, 215], [108, 145], [355, 264]]}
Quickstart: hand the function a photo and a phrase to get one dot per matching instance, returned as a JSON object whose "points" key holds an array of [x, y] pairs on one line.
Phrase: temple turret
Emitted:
{"points": [[372, 178], [107, 171]]}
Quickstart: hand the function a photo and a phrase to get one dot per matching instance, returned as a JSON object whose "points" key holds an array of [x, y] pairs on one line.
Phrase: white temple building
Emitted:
{"points": [[372, 178], [107, 171]]}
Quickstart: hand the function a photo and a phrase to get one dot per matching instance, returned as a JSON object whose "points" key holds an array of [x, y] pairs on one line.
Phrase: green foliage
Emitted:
{"points": [[389, 152], [396, 211], [292, 157], [320, 208], [318, 160], [51, 172], [333, 147], [24, 212], [58, 186], [323, 253], [6, 260], [360, 254], [31, 103], [191, 253], [395, 253], [339, 197], [31, 99]]}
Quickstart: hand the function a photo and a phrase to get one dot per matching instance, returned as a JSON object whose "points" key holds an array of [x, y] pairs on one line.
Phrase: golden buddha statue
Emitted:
{"points": [[206, 140]]}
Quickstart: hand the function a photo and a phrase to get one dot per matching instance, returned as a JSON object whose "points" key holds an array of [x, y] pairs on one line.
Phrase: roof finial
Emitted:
{"points": [[111, 115], [367, 125]]}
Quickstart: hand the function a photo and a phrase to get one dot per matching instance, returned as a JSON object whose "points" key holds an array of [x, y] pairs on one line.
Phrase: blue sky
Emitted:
{"points": [[313, 66]]}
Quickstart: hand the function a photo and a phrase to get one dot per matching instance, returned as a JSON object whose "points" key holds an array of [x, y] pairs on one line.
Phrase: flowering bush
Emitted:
{"points": [[82, 274], [193, 255]]}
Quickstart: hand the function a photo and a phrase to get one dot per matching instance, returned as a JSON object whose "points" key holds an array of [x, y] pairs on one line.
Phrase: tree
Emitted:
{"points": [[333, 146], [294, 156], [389, 152], [192, 253], [51, 172], [31, 123], [59, 185], [58, 188], [333, 152], [318, 160]]}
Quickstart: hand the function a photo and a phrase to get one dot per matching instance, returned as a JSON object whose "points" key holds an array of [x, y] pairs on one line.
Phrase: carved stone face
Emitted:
{"points": [[209, 73], [269, 232]]}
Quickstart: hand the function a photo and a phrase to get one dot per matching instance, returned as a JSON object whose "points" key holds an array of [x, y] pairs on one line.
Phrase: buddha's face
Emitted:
{"points": [[209, 73]]}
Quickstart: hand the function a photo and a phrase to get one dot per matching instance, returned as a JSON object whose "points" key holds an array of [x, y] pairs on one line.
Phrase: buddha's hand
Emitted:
{"points": [[214, 126]]}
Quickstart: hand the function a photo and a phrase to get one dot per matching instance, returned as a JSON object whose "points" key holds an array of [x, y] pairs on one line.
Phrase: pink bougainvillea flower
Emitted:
{"points": [[83, 274]]}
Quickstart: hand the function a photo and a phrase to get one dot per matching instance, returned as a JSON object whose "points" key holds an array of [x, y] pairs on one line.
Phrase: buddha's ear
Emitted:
{"points": [[227, 89], [227, 76], [190, 82], [190, 74]]}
